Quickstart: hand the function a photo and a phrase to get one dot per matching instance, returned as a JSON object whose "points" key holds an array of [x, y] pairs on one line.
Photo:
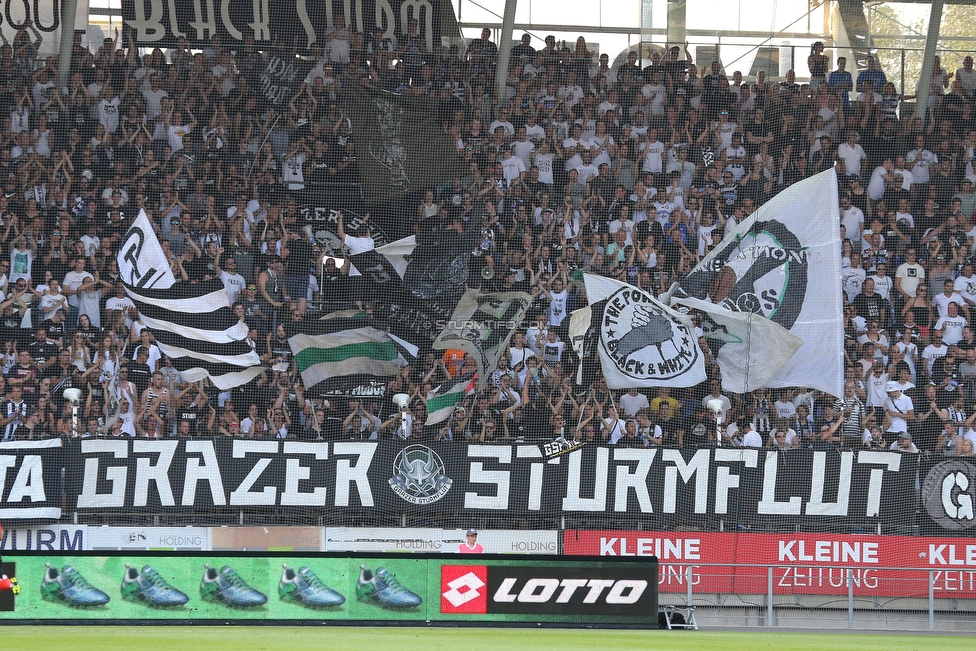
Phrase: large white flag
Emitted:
{"points": [[142, 262], [642, 342], [193, 323], [781, 264]]}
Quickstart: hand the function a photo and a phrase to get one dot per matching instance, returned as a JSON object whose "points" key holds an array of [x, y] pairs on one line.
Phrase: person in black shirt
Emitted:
{"points": [[139, 373], [43, 351], [870, 305]]}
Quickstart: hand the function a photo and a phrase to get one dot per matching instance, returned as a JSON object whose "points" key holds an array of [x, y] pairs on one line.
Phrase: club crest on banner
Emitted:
{"points": [[419, 475], [949, 494], [632, 323], [763, 272]]}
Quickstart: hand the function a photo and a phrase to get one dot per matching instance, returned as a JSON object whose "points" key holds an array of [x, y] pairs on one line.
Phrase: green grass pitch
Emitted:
{"points": [[268, 638]]}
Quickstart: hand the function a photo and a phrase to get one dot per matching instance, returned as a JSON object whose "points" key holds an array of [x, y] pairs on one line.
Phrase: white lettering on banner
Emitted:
{"points": [[149, 16], [828, 551], [636, 480], [260, 25], [242, 495], [960, 506], [542, 590], [353, 474], [954, 581], [950, 554], [816, 505], [209, 472], [29, 482], [677, 575], [573, 501], [296, 472], [228, 24], [115, 475], [534, 502], [205, 24], [768, 505], [725, 480], [146, 471], [698, 464], [54, 539], [681, 549], [822, 577], [203, 468], [478, 475], [892, 460]]}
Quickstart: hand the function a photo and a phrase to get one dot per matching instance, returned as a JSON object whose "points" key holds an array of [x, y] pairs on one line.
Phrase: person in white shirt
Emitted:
{"points": [[881, 177], [570, 90], [949, 295], [715, 393], [903, 176], [613, 428], [507, 127], [656, 93], [921, 159], [653, 150], [909, 274], [899, 408], [904, 443], [77, 286], [934, 351], [883, 283], [852, 218], [176, 130], [632, 402], [522, 147], [784, 406], [852, 153], [852, 277], [513, 169], [952, 325], [966, 76], [233, 282], [965, 284], [750, 437]]}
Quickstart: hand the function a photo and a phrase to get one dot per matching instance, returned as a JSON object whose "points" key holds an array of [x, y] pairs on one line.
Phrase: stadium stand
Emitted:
{"points": [[634, 173]]}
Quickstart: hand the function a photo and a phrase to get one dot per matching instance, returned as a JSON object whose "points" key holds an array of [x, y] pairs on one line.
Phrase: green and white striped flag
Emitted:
{"points": [[442, 400], [347, 347]]}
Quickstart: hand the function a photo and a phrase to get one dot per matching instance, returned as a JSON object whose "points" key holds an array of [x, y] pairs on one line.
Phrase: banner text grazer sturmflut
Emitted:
{"points": [[706, 487]]}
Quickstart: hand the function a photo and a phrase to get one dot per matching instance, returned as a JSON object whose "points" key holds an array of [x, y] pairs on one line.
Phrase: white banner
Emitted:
{"points": [[643, 342], [45, 17], [783, 264]]}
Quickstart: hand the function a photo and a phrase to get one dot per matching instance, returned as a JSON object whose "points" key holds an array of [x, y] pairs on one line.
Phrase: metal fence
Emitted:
{"points": [[826, 597]]}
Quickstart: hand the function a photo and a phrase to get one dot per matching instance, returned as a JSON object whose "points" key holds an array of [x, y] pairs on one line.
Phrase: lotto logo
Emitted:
{"points": [[463, 589]]}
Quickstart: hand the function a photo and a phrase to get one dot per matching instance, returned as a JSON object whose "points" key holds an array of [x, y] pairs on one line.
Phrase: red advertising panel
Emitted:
{"points": [[802, 563]]}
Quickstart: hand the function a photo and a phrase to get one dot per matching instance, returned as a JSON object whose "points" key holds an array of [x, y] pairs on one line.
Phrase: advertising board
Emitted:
{"points": [[802, 563], [199, 586]]}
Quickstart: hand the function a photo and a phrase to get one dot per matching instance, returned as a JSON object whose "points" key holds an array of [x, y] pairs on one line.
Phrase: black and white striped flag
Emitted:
{"points": [[193, 324]]}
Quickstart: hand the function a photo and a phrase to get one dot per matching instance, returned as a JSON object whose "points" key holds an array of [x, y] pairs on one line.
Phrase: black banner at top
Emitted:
{"points": [[300, 23], [809, 490]]}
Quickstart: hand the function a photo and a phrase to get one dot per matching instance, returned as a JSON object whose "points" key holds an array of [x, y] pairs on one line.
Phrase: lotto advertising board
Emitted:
{"points": [[195, 586], [802, 563]]}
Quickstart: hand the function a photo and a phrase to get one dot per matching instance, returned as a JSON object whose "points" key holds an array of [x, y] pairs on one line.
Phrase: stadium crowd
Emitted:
{"points": [[634, 172]]}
